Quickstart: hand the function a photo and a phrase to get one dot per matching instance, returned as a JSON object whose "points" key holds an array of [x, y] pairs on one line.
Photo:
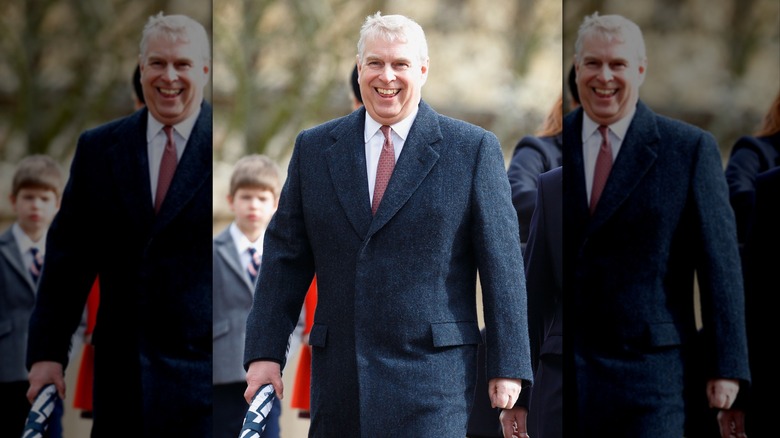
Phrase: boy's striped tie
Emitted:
{"points": [[37, 264], [254, 264]]}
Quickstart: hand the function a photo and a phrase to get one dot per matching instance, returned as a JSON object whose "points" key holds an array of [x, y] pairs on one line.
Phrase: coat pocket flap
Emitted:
{"points": [[446, 334]]}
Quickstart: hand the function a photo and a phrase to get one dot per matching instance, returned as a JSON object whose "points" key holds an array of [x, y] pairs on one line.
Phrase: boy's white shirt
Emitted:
{"points": [[24, 243], [243, 244]]}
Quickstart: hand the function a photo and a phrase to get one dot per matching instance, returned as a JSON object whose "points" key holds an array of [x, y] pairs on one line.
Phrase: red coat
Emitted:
{"points": [[301, 386], [82, 398]]}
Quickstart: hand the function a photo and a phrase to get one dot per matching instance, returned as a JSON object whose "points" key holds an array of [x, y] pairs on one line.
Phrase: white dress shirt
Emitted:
{"points": [[243, 244], [155, 144], [591, 143], [375, 140], [25, 244]]}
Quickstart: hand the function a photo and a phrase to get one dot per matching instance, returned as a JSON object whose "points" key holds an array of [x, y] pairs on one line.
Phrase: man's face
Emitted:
{"points": [[173, 75], [609, 74], [253, 208], [391, 77], [35, 209]]}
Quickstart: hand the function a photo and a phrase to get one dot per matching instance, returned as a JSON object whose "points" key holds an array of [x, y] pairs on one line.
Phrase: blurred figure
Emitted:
{"points": [[395, 335], [238, 251], [137, 212], [539, 412], [138, 91], [751, 414], [754, 185], [751, 155], [533, 155], [574, 95], [357, 99], [636, 232], [36, 189]]}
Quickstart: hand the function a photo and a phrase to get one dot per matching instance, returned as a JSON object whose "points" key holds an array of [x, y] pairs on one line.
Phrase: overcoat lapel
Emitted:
{"points": [[10, 251], [131, 167], [193, 171], [227, 250], [574, 170], [637, 155], [347, 165], [414, 163]]}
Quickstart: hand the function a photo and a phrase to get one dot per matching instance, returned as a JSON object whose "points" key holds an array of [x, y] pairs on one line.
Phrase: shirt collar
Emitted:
{"points": [[242, 242], [24, 241], [618, 128], [183, 128], [401, 128]]}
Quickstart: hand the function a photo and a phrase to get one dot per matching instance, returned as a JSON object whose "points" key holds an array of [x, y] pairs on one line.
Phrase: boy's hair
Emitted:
{"points": [[38, 171], [255, 171]]}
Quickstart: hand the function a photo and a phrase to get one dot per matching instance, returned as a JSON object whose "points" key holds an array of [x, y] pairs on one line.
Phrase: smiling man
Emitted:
{"points": [[645, 208], [395, 336], [137, 212]]}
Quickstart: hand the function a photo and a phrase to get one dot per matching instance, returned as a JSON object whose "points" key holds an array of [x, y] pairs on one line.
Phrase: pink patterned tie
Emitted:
{"points": [[603, 167], [253, 269], [37, 264], [167, 168], [384, 169]]}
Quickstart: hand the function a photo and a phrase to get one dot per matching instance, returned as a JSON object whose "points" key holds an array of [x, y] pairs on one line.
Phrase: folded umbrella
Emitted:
{"points": [[40, 412], [257, 414]]}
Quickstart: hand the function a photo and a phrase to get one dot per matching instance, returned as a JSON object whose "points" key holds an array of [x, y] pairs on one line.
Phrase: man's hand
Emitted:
{"points": [[41, 374], [721, 393], [504, 392], [261, 372], [513, 422]]}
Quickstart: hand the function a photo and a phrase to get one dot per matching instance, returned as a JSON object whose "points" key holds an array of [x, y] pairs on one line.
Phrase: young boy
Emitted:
{"points": [[254, 195], [35, 198]]}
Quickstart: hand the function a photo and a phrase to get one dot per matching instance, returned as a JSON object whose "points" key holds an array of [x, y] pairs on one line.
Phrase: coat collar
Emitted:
{"points": [[131, 165], [226, 248], [10, 250], [347, 164], [637, 155]]}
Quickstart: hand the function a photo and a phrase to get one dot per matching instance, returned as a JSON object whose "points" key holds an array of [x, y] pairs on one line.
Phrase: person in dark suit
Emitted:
{"points": [[539, 412], [533, 155], [150, 248], [751, 155], [750, 414], [395, 335], [574, 95], [630, 255]]}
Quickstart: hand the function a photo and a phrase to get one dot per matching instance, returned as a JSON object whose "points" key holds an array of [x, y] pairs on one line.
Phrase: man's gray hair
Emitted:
{"points": [[393, 28], [177, 28], [614, 27]]}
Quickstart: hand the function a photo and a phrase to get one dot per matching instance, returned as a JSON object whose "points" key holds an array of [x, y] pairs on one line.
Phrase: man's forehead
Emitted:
{"points": [[183, 48]]}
